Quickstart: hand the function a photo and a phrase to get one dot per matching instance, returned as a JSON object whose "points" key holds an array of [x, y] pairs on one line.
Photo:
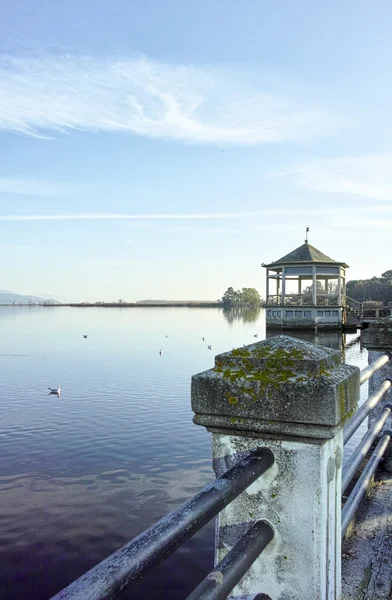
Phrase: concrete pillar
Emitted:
{"points": [[377, 339], [314, 285], [292, 397]]}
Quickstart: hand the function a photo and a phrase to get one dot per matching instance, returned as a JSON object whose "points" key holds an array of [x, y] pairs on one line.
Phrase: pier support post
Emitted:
{"points": [[377, 339], [292, 397]]}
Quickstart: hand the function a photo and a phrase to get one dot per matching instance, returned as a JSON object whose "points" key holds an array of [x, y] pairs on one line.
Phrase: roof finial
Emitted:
{"points": [[306, 240]]}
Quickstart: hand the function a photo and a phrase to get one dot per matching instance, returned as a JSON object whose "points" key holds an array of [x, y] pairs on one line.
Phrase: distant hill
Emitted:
{"points": [[7, 297]]}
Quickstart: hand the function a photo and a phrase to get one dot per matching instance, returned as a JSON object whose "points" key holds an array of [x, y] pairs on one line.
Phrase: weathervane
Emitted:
{"points": [[306, 240]]}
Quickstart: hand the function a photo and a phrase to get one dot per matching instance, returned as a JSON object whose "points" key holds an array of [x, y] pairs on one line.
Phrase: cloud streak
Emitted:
{"points": [[42, 95], [117, 262], [368, 176], [152, 216], [31, 187]]}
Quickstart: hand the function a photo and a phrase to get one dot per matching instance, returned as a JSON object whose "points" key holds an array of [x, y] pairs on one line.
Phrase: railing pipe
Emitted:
{"points": [[368, 371], [363, 482], [361, 414], [230, 570], [352, 465], [111, 577]]}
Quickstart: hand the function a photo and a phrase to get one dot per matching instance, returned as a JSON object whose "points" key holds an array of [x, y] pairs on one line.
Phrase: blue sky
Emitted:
{"points": [[166, 149]]}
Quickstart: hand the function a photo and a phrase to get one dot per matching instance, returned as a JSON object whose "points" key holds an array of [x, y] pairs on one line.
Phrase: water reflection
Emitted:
{"points": [[247, 314], [336, 340], [330, 339]]}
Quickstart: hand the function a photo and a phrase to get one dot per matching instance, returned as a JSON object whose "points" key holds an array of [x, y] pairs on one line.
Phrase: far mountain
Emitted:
{"points": [[11, 298]]}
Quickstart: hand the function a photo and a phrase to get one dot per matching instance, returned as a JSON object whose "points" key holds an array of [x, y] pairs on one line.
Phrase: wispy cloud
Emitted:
{"points": [[40, 95], [125, 216], [368, 176], [120, 262], [127, 242], [206, 230], [30, 187], [307, 211]]}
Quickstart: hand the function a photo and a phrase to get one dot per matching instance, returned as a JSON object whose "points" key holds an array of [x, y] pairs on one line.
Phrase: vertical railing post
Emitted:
{"points": [[377, 339], [292, 397]]}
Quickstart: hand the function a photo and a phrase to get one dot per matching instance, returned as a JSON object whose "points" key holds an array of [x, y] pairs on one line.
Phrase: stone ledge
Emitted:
{"points": [[281, 385]]}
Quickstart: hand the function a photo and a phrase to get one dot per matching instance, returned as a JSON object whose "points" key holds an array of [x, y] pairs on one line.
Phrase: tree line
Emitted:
{"points": [[375, 289], [243, 297]]}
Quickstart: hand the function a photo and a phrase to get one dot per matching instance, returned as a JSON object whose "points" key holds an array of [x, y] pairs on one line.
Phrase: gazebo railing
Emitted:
{"points": [[302, 300]]}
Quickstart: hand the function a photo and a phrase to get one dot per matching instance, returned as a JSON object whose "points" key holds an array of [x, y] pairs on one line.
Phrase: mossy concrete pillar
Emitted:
{"points": [[377, 339], [292, 397]]}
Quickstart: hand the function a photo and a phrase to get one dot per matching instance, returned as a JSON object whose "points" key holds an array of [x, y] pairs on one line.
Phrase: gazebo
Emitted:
{"points": [[305, 288]]}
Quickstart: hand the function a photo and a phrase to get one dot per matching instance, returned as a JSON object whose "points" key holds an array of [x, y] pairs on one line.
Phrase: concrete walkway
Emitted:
{"points": [[367, 548]]}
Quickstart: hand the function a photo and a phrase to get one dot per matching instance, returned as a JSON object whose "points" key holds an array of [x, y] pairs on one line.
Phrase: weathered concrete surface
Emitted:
{"points": [[276, 386], [300, 497], [367, 553]]}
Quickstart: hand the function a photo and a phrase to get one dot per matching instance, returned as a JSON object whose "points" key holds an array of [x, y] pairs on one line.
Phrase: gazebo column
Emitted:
{"points": [[326, 285], [283, 285], [314, 285], [267, 285], [340, 288]]}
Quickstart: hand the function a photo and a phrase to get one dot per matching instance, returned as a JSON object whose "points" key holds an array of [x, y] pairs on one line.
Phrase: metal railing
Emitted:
{"points": [[360, 488], [350, 468], [111, 577], [219, 583], [373, 314]]}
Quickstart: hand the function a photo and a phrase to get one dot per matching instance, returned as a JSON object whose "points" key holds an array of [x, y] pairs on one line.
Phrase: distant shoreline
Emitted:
{"points": [[185, 304], [175, 304]]}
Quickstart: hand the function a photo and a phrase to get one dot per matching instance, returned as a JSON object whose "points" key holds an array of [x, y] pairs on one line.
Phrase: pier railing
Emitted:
{"points": [[280, 412]]}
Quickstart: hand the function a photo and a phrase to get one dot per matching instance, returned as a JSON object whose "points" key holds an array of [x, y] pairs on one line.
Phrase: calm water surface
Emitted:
{"points": [[82, 474]]}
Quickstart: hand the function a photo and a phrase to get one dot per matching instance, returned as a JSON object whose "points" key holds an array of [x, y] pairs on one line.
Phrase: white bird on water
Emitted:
{"points": [[55, 390]]}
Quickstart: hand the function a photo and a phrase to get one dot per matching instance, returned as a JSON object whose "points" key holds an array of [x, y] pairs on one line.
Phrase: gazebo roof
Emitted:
{"points": [[305, 254]]}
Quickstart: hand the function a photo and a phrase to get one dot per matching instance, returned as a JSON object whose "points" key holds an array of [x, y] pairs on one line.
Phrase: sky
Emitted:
{"points": [[166, 149]]}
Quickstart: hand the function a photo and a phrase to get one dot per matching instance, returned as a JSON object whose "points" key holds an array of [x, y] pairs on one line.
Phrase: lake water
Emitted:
{"points": [[82, 474]]}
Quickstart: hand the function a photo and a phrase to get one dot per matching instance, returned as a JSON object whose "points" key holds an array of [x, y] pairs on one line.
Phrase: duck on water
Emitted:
{"points": [[54, 390]]}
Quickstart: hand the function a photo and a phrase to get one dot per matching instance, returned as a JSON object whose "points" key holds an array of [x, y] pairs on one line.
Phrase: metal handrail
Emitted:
{"points": [[363, 448], [361, 414], [367, 372], [111, 577], [225, 576], [363, 482]]}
